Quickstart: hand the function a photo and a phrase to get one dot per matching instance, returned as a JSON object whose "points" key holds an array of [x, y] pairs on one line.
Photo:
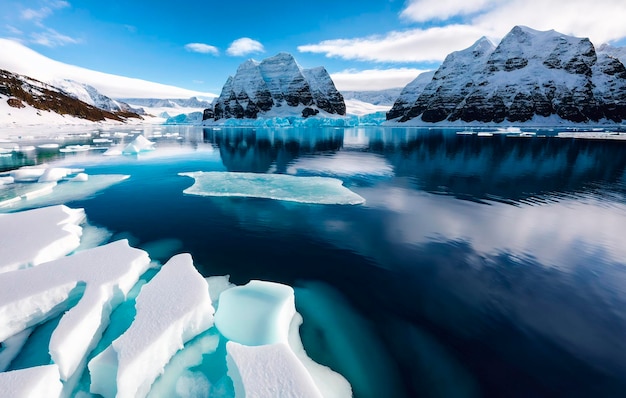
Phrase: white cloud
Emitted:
{"points": [[374, 79], [202, 48], [415, 45], [52, 38], [244, 46], [600, 20], [31, 14], [425, 10]]}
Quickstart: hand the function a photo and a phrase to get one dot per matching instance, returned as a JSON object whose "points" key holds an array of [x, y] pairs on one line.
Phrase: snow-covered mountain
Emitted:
{"points": [[33, 97], [278, 86], [615, 52], [193, 102], [17, 58], [89, 95], [378, 97], [529, 75], [407, 96]]}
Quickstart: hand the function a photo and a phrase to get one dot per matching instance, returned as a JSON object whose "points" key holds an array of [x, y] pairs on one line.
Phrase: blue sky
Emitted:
{"points": [[372, 43]]}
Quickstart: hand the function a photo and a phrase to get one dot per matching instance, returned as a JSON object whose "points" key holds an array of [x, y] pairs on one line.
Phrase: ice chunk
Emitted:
{"points": [[40, 381], [172, 308], [217, 284], [33, 237], [7, 180], [52, 193], [268, 371], [28, 173], [318, 190], [80, 177], [55, 174], [330, 383], [113, 151], [257, 313], [11, 347], [138, 145], [105, 274]]}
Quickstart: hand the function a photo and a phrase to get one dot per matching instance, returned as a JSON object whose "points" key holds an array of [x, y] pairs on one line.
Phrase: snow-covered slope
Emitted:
{"points": [[379, 97], [90, 95], [277, 86], [615, 52], [529, 76], [408, 95], [17, 58]]}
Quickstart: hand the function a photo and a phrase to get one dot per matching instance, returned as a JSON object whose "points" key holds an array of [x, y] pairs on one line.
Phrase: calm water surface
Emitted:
{"points": [[478, 266]]}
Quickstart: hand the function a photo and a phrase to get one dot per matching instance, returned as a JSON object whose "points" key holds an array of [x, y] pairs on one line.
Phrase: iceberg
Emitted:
{"points": [[138, 145], [314, 190], [174, 307]]}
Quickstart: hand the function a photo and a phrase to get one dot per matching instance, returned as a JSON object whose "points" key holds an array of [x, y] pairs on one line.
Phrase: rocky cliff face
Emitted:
{"points": [[277, 82], [530, 73]]}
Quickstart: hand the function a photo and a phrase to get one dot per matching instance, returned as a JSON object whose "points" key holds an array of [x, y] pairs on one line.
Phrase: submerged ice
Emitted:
{"points": [[315, 190]]}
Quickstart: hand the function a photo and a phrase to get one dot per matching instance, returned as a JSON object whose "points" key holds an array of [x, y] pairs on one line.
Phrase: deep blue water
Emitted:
{"points": [[478, 266]]}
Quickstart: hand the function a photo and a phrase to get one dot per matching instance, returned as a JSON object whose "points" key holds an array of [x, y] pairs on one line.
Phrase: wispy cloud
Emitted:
{"points": [[202, 48], [37, 15], [374, 79], [52, 38], [244, 46], [415, 45], [600, 20]]}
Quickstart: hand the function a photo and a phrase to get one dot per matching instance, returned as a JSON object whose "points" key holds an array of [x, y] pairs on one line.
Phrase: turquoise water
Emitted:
{"points": [[478, 265]]}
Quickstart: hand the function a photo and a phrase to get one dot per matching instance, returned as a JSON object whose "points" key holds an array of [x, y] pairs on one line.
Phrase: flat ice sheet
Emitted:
{"points": [[40, 381], [316, 190], [28, 195]]}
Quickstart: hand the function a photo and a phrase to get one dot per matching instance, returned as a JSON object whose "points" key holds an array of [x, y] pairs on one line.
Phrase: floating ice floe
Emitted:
{"points": [[101, 277], [172, 308], [169, 335], [33, 237], [29, 195], [315, 190], [40, 381], [257, 318]]}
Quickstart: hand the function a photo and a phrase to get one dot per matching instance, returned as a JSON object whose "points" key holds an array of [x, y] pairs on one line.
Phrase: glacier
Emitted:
{"points": [[162, 349], [313, 190]]}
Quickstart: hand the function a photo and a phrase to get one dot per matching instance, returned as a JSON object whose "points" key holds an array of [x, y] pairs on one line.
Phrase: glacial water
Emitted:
{"points": [[479, 265]]}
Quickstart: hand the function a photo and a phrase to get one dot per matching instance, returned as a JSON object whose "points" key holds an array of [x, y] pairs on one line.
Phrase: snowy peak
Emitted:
{"points": [[529, 74], [277, 82], [90, 95]]}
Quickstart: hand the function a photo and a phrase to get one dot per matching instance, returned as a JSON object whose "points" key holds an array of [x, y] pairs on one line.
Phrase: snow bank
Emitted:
{"points": [[172, 308], [57, 234], [40, 381], [316, 190]]}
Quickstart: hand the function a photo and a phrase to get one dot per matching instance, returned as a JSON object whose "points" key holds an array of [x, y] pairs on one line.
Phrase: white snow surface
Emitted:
{"points": [[172, 308], [314, 190], [57, 233], [17, 58], [268, 371], [104, 275], [40, 381]]}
